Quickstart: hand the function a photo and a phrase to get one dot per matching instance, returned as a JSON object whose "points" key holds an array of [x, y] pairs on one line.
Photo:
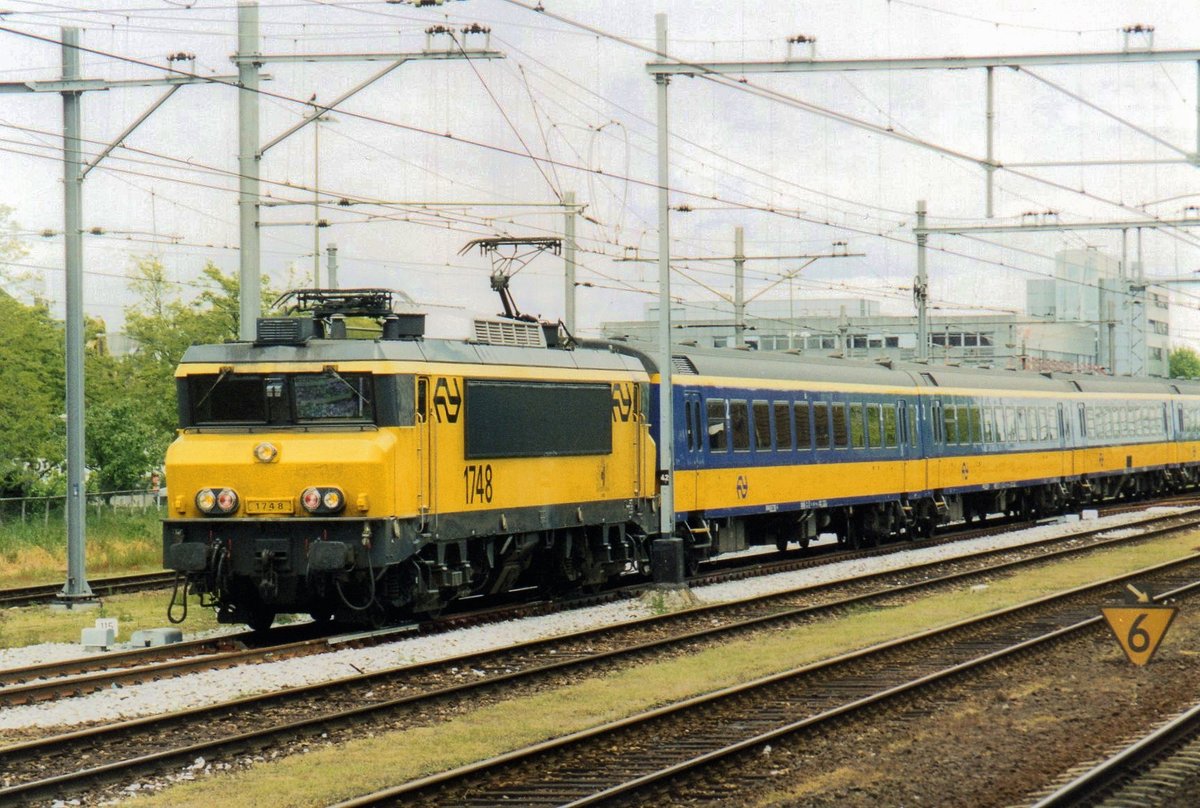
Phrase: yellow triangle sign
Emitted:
{"points": [[1139, 629]]}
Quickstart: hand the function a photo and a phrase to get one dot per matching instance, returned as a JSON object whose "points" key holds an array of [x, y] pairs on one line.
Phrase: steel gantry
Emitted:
{"points": [[666, 66], [249, 59], [76, 591]]}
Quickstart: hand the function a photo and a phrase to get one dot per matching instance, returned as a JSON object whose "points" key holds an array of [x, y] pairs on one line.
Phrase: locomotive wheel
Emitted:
{"points": [[259, 617]]}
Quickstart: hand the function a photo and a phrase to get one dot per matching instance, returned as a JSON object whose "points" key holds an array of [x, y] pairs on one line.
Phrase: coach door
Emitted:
{"points": [[426, 450], [905, 431], [692, 447]]}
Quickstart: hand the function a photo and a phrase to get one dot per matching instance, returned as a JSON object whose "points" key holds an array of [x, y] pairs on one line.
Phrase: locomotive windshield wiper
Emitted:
{"points": [[330, 371], [220, 378]]}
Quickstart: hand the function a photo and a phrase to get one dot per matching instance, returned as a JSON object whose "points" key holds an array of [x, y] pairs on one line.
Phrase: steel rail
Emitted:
{"points": [[83, 675], [1108, 777], [42, 593], [534, 759]]}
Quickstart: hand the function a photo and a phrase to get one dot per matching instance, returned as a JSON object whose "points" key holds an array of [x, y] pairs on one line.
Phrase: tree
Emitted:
{"points": [[122, 446], [12, 249], [1184, 363], [164, 327], [32, 392]]}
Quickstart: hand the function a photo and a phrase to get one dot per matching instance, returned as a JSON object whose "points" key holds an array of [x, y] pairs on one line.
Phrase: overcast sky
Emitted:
{"points": [[579, 95]]}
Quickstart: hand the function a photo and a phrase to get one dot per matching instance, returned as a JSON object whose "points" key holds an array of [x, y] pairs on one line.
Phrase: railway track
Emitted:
{"points": [[101, 587], [120, 668], [49, 766], [1162, 768], [638, 759]]}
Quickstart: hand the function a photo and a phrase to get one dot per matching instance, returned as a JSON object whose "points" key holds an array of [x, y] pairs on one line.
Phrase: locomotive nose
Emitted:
{"points": [[303, 476]]}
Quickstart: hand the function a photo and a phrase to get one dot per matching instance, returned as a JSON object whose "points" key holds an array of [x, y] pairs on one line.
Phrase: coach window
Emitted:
{"points": [[841, 435], [910, 423], [783, 426], [718, 438], [821, 424], [989, 425], [950, 424], [739, 425], [804, 426], [890, 438], [874, 426], [976, 424], [939, 425], [762, 426], [856, 426]]}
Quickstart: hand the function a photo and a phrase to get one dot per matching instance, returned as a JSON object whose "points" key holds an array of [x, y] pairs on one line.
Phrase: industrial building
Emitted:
{"points": [[1091, 317]]}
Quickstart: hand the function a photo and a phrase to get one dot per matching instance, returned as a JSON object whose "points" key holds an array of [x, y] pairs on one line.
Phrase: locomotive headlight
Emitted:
{"points": [[227, 500], [311, 500], [322, 500], [206, 500]]}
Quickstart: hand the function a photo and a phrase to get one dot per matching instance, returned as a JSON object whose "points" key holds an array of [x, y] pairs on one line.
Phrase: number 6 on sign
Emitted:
{"points": [[1139, 629]]}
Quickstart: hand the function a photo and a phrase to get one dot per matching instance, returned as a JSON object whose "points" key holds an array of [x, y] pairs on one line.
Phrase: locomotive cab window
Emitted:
{"points": [[332, 396], [229, 399]]}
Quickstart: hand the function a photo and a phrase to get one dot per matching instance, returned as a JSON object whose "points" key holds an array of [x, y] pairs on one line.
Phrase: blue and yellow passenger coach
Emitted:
{"points": [[779, 447]]}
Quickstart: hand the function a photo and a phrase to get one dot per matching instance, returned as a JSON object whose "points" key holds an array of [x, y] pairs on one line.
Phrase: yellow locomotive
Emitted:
{"points": [[364, 479]]}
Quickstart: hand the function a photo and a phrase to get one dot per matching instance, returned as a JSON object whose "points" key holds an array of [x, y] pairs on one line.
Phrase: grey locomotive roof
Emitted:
{"points": [[590, 357]]}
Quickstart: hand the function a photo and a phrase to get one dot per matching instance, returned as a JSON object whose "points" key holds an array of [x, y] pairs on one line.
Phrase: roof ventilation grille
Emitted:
{"points": [[285, 330], [509, 332], [681, 364]]}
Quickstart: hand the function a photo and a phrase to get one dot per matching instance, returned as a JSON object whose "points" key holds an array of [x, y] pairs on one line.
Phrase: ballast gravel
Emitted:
{"points": [[210, 687]]}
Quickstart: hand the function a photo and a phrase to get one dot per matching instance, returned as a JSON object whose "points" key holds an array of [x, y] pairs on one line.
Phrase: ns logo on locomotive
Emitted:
{"points": [[373, 479]]}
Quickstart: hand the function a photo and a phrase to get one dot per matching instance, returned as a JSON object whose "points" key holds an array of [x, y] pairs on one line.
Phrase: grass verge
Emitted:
{"points": [[34, 550], [331, 773], [29, 625]]}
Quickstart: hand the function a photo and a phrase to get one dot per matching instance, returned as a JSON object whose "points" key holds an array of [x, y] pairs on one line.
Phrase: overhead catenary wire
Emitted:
{"points": [[749, 207]]}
